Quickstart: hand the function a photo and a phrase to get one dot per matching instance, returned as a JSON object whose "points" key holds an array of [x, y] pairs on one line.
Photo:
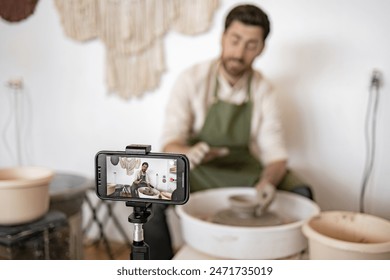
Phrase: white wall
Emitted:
{"points": [[320, 55]]}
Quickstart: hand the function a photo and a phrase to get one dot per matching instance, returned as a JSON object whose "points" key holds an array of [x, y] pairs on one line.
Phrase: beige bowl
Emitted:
{"points": [[336, 235], [24, 194]]}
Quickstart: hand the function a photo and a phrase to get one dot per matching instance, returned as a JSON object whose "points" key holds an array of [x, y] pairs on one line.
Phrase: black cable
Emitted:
{"points": [[370, 134]]}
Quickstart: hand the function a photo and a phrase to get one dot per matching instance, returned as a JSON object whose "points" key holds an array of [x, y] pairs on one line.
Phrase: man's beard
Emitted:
{"points": [[234, 67]]}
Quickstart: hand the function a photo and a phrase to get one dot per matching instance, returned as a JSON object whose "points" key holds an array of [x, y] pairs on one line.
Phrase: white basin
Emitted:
{"points": [[236, 242]]}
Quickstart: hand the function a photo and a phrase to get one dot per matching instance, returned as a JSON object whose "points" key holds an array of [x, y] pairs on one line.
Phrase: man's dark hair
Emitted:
{"points": [[250, 15], [145, 163]]}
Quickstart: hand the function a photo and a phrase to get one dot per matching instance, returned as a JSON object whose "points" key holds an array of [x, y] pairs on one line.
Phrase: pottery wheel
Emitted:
{"points": [[148, 191], [232, 218]]}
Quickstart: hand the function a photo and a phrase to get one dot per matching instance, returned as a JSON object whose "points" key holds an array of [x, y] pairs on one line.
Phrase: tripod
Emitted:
{"points": [[141, 214]]}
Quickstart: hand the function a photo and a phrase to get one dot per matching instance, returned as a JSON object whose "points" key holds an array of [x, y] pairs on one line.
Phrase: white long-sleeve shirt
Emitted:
{"points": [[193, 93]]}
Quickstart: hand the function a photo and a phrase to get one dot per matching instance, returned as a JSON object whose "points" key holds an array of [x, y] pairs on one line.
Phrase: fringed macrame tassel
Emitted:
{"points": [[79, 18], [133, 75], [195, 16], [129, 27]]}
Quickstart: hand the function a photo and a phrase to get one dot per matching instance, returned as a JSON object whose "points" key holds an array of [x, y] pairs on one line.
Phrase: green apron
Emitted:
{"points": [[228, 125]]}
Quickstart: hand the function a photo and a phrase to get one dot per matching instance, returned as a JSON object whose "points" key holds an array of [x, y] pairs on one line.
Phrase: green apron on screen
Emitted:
{"points": [[229, 125]]}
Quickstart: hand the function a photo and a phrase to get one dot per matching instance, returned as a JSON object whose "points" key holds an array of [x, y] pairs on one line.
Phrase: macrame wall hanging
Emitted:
{"points": [[132, 32]]}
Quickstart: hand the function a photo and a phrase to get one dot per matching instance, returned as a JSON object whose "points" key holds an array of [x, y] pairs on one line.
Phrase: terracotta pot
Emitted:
{"points": [[335, 235], [240, 242], [24, 194]]}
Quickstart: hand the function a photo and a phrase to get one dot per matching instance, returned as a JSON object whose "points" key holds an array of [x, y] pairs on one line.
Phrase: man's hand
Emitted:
{"points": [[202, 152], [215, 153], [265, 195], [197, 153], [270, 177], [138, 181]]}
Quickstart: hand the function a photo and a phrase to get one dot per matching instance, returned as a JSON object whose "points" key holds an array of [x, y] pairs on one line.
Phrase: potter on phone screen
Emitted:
{"points": [[160, 178]]}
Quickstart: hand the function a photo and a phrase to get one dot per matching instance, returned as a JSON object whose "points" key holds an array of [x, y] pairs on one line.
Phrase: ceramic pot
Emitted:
{"points": [[240, 242], [24, 194], [347, 235]]}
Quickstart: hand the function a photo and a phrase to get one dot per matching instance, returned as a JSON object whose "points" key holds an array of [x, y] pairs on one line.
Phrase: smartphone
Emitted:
{"points": [[150, 177]]}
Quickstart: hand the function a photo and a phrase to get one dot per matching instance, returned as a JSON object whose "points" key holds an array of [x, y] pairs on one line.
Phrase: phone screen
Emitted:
{"points": [[161, 178]]}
